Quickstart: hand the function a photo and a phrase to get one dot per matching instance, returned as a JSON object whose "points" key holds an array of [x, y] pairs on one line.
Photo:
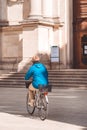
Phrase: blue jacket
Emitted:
{"points": [[39, 74]]}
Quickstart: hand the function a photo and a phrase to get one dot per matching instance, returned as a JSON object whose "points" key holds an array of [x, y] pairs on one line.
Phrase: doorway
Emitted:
{"points": [[80, 33]]}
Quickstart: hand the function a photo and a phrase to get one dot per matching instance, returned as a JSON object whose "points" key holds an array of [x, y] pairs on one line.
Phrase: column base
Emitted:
{"points": [[41, 21], [35, 17], [4, 23]]}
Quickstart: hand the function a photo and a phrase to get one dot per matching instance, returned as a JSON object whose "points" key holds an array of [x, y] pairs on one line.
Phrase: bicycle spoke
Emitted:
{"points": [[43, 111]]}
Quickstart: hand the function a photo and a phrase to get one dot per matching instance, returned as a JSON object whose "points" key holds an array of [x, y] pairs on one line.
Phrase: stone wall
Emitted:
{"points": [[33, 26]]}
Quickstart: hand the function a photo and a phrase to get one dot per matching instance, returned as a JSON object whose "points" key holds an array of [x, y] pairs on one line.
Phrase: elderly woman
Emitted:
{"points": [[39, 75]]}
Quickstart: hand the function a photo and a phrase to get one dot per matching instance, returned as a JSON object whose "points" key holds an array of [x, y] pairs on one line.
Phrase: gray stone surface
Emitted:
{"points": [[67, 110]]}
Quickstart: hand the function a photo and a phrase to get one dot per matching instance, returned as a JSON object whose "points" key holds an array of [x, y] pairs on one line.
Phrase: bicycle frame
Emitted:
{"points": [[41, 93], [41, 103]]}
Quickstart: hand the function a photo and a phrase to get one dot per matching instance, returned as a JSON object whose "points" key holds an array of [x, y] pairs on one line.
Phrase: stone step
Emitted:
{"points": [[73, 71], [69, 85], [55, 82], [70, 82], [53, 85], [12, 86], [19, 82], [63, 78], [68, 70], [50, 75], [50, 79]]}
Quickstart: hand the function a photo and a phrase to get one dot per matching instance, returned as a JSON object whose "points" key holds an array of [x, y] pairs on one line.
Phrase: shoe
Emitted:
{"points": [[30, 104]]}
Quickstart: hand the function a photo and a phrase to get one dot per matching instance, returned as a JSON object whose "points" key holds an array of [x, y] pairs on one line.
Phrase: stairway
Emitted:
{"points": [[58, 78], [69, 78]]}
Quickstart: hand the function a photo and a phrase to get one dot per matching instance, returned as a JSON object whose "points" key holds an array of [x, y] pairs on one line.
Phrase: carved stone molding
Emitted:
{"points": [[3, 23], [11, 28], [16, 1], [42, 22], [13, 0]]}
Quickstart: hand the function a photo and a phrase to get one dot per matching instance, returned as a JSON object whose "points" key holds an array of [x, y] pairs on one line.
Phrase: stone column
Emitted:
{"points": [[3, 12], [35, 9], [50, 8], [47, 8], [55, 8], [69, 31]]}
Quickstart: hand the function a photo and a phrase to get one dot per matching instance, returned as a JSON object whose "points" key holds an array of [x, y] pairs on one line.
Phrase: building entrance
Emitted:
{"points": [[80, 33]]}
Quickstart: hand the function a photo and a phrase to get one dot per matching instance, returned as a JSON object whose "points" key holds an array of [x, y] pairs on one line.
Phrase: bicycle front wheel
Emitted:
{"points": [[30, 109], [43, 110]]}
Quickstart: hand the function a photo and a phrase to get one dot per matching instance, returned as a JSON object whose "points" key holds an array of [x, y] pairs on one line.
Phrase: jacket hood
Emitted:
{"points": [[38, 65]]}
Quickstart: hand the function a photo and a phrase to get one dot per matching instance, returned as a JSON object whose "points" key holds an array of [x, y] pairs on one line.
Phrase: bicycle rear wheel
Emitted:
{"points": [[30, 109], [43, 110]]}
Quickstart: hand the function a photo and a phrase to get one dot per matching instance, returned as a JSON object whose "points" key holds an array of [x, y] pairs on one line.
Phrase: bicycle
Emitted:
{"points": [[40, 103]]}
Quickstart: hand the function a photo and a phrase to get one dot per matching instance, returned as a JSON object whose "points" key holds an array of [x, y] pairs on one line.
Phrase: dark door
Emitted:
{"points": [[80, 33]]}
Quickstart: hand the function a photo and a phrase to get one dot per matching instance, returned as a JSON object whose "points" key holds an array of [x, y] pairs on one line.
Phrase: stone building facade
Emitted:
{"points": [[28, 27]]}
